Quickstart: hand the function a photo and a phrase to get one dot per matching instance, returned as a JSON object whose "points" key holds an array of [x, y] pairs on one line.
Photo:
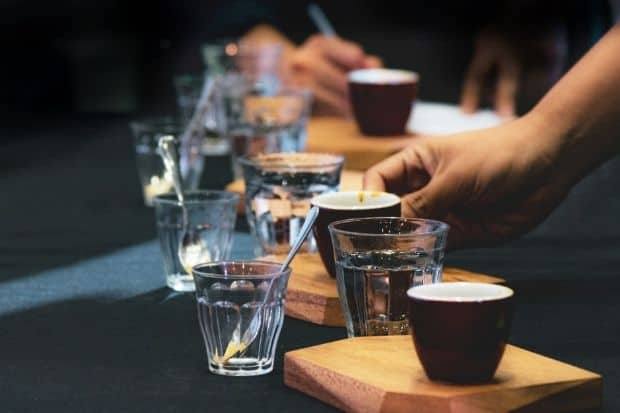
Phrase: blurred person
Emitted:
{"points": [[496, 184], [520, 47]]}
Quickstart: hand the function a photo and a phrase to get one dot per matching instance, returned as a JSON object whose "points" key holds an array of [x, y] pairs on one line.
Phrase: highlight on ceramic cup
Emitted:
{"points": [[336, 206], [200, 230], [278, 191], [460, 329], [382, 99], [240, 312], [377, 261]]}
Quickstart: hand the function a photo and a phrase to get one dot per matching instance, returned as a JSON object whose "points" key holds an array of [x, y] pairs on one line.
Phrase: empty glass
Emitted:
{"points": [[188, 89], [207, 220], [377, 261], [263, 124], [151, 171], [278, 191], [240, 312]]}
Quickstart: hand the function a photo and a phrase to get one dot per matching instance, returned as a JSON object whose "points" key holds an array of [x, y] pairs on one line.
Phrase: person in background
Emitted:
{"points": [[520, 47], [496, 184]]}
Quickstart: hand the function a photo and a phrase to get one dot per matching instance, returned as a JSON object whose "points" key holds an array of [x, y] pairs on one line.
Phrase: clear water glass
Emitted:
{"points": [[264, 123], [377, 261], [189, 88], [211, 218], [153, 176], [278, 191], [240, 312]]}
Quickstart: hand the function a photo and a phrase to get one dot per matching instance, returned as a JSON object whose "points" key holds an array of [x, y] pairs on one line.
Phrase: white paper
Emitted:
{"points": [[443, 119]]}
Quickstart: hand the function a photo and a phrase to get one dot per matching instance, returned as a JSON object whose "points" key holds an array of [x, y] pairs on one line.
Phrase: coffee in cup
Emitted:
{"points": [[382, 99], [460, 329], [336, 206]]}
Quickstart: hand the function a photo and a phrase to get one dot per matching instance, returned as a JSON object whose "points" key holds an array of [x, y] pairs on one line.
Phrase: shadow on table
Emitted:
{"points": [[136, 354]]}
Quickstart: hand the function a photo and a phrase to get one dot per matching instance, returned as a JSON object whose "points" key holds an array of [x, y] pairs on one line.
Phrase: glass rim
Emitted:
{"points": [[334, 160], [490, 292], [225, 197], [197, 272], [442, 227]]}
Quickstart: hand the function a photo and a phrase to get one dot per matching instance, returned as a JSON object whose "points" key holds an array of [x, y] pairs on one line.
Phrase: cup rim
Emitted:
{"points": [[495, 292], [442, 227], [399, 76], [334, 160], [317, 202], [197, 272], [225, 197]]}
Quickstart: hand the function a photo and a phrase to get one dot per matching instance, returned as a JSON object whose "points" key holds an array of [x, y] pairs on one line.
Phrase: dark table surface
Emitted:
{"points": [[87, 325]]}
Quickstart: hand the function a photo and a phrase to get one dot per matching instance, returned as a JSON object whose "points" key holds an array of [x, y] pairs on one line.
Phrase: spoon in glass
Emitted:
{"points": [[237, 344], [192, 249]]}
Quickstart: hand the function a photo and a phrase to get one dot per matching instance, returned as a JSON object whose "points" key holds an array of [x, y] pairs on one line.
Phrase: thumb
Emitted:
{"points": [[435, 200]]}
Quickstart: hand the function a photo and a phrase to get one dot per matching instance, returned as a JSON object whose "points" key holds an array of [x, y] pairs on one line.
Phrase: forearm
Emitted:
{"points": [[582, 111]]}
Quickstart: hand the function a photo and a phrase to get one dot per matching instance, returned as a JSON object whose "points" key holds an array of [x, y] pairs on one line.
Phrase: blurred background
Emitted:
{"points": [[120, 56], [75, 73]]}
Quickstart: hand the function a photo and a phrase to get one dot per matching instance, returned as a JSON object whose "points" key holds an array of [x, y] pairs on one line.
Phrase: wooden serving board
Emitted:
{"points": [[349, 181], [312, 294], [383, 374], [342, 136]]}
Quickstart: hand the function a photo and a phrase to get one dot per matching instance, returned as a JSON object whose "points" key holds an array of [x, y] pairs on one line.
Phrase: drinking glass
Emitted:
{"points": [[153, 176], [210, 219], [278, 191], [240, 312], [264, 124], [377, 261], [189, 88]]}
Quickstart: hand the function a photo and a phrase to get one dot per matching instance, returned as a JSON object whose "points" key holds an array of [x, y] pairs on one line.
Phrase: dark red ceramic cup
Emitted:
{"points": [[460, 329], [336, 206], [382, 99]]}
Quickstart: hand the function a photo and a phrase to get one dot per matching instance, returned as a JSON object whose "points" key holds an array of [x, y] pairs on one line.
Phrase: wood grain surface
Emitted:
{"points": [[383, 374], [342, 136]]}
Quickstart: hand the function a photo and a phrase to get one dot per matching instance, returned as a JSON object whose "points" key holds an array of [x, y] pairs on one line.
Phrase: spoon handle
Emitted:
{"points": [[168, 153], [301, 236]]}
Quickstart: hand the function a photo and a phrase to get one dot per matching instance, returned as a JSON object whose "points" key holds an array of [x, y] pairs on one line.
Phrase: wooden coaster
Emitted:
{"points": [[349, 181], [312, 294], [342, 136], [383, 374]]}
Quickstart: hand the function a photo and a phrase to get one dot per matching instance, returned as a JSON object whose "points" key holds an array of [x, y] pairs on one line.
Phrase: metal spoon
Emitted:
{"points": [[238, 346], [192, 249]]}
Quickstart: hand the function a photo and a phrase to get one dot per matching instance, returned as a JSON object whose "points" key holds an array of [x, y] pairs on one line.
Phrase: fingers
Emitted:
{"points": [[371, 62], [435, 200], [401, 173], [480, 66], [506, 89], [344, 53]]}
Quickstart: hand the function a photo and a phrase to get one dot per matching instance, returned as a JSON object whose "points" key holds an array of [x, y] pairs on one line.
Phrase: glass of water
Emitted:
{"points": [[199, 231], [278, 191], [240, 312], [377, 261], [265, 123]]}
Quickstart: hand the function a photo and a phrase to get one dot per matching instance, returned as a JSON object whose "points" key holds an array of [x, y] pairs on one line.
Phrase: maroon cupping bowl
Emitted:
{"points": [[382, 99], [460, 329], [336, 206]]}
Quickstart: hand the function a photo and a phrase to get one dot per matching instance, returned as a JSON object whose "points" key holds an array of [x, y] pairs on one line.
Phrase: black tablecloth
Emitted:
{"points": [[86, 324]]}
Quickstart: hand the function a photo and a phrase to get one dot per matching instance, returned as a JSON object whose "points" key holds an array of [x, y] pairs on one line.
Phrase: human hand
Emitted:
{"points": [[322, 64], [525, 64], [492, 52], [490, 185]]}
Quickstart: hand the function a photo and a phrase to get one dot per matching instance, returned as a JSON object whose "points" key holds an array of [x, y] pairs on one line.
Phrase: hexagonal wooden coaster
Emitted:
{"points": [[383, 374], [312, 294]]}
